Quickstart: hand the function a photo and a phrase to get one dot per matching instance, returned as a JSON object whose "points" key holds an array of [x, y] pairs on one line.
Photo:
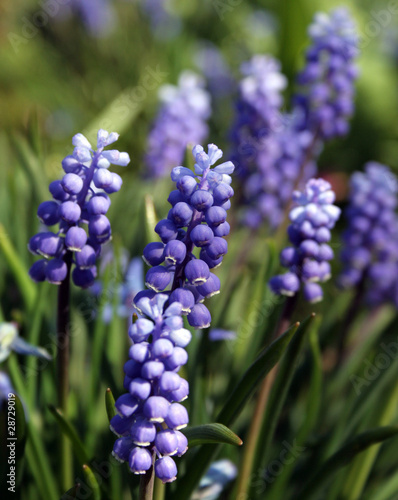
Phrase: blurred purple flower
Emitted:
{"points": [[181, 121], [312, 219], [370, 254], [326, 97], [216, 334]]}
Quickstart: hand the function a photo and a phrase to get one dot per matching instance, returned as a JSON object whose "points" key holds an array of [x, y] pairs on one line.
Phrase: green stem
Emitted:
{"points": [[159, 490], [147, 482], [348, 321], [63, 341], [35, 323]]}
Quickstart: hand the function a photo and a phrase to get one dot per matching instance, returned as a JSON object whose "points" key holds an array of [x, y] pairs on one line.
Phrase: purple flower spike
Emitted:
{"points": [[275, 152], [159, 337], [307, 260], [370, 255], [327, 80], [77, 201]]}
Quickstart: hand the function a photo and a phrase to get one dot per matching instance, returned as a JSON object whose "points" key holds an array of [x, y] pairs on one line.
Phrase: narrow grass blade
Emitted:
{"points": [[258, 370], [244, 389], [17, 267], [344, 456], [110, 404], [283, 380], [36, 455], [362, 465], [68, 429], [211, 433], [92, 482]]}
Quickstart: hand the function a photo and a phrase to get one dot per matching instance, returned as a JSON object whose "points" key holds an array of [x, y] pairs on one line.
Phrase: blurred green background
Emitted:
{"points": [[60, 78]]}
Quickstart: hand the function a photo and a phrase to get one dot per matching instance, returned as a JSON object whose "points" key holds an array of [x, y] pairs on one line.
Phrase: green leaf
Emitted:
{"points": [[282, 383], [72, 493], [357, 409], [245, 387], [31, 164], [375, 324], [211, 433], [68, 429], [92, 482], [362, 465], [259, 369], [25, 284], [315, 390], [110, 404], [314, 398], [383, 491], [97, 349], [344, 456], [270, 400]]}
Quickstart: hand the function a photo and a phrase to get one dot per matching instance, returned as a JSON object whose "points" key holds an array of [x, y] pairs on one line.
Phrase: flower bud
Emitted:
{"points": [[48, 212], [199, 317], [72, 183], [75, 238], [166, 469], [197, 272], [140, 460]]}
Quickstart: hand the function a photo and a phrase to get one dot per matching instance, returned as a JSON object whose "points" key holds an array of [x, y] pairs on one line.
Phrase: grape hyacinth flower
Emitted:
{"points": [[276, 160], [312, 219], [150, 416], [282, 162], [180, 121], [370, 253], [257, 111], [325, 99], [197, 220], [217, 334], [79, 199]]}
